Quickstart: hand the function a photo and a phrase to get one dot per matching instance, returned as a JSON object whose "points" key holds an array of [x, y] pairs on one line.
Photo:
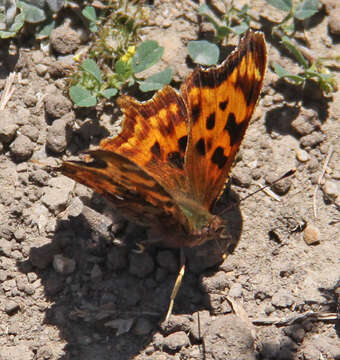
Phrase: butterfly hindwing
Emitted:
{"points": [[126, 185], [220, 103]]}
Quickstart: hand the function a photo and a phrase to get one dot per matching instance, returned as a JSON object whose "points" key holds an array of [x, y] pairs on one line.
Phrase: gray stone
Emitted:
{"points": [[311, 140], [39, 177], [141, 265], [16, 352], [311, 234], [64, 39], [331, 190], [241, 177], [176, 341], [57, 105], [11, 307], [142, 327], [302, 155], [5, 247], [167, 259], [176, 323], [282, 299], [117, 258], [235, 291], [216, 282], [333, 21], [281, 187], [228, 337], [57, 135], [22, 148], [8, 126], [30, 131], [55, 199], [63, 265]]}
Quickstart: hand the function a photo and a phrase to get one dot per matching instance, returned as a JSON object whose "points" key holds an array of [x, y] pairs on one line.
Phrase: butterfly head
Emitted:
{"points": [[215, 229]]}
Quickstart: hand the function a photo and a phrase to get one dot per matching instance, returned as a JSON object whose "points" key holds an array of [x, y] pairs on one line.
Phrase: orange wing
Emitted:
{"points": [[220, 103], [154, 136], [127, 186]]}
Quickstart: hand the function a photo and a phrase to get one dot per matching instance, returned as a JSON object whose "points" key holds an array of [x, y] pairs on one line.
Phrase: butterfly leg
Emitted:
{"points": [[177, 285], [140, 248]]}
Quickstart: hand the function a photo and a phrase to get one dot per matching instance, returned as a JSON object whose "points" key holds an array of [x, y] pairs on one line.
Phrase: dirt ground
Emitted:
{"points": [[73, 287]]}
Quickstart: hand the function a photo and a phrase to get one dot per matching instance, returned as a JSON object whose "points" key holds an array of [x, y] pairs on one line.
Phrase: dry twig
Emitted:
{"points": [[330, 152], [8, 90]]}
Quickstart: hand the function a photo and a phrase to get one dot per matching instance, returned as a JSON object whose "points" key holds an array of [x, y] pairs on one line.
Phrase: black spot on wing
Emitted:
{"points": [[200, 146], [195, 113], [210, 123], [156, 149], [176, 159], [182, 143], [250, 88], [166, 129], [235, 130], [219, 158], [223, 104]]}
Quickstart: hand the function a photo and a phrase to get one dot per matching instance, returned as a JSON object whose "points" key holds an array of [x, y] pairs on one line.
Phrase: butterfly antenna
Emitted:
{"points": [[177, 285], [287, 174]]}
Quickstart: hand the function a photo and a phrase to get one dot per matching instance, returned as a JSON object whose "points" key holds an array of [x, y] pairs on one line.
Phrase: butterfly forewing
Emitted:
{"points": [[154, 136], [220, 103]]}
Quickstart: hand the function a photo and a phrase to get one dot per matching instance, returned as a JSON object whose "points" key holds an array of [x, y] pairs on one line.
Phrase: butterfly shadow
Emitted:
{"points": [[107, 298]]}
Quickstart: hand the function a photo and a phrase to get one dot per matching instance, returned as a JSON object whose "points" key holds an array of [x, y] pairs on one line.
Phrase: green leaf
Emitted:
{"points": [[285, 5], [46, 30], [240, 29], [203, 9], [33, 13], [93, 27], [147, 54], [282, 72], [14, 28], [222, 31], [203, 52], [157, 81], [82, 97], [295, 51], [109, 93], [306, 9], [89, 13], [92, 68], [123, 69]]}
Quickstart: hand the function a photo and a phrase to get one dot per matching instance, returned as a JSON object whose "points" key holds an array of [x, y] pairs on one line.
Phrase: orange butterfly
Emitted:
{"points": [[168, 166]]}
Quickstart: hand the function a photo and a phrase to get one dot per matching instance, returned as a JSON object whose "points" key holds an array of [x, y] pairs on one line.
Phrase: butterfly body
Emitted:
{"points": [[169, 164]]}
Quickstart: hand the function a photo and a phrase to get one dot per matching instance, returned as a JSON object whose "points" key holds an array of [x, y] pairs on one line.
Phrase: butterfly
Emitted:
{"points": [[169, 164]]}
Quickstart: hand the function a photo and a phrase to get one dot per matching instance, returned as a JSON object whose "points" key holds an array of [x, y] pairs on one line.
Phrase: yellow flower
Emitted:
{"points": [[128, 55]]}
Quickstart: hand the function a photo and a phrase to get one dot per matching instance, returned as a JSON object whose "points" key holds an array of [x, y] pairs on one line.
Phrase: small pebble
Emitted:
{"points": [[311, 234], [281, 187], [176, 341], [331, 190], [96, 273], [63, 265], [142, 327], [141, 265], [302, 155], [22, 148], [235, 291], [11, 307], [333, 21], [282, 299]]}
